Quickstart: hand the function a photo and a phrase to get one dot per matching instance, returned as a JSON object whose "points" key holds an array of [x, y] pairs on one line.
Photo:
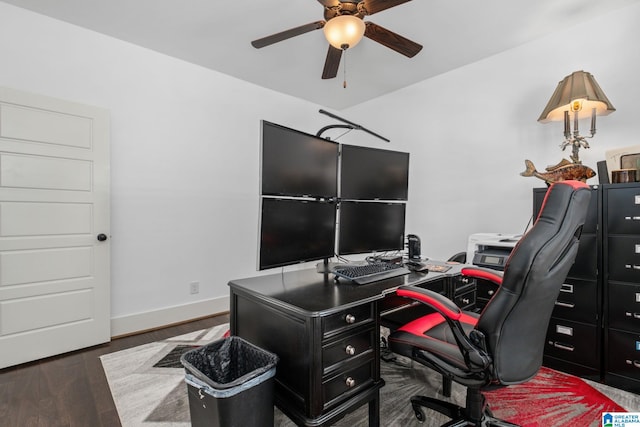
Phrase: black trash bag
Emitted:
{"points": [[229, 366]]}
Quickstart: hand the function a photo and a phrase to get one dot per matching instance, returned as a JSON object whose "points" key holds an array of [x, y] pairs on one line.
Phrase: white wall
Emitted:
{"points": [[184, 160], [185, 147], [470, 130]]}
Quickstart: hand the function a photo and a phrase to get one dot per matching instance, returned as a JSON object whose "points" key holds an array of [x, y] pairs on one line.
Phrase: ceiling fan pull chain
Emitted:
{"points": [[344, 67]]}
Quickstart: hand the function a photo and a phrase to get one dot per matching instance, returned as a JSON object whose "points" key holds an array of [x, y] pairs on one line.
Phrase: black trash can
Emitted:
{"points": [[230, 383]]}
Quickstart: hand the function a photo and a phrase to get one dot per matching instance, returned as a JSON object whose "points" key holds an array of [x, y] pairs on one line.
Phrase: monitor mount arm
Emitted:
{"points": [[349, 125]]}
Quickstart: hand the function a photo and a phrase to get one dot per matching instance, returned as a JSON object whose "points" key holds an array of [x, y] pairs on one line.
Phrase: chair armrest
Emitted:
{"points": [[472, 348], [483, 273], [442, 304]]}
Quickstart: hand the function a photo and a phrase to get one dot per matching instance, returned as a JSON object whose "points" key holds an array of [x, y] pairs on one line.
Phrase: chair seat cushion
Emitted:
{"points": [[432, 334]]}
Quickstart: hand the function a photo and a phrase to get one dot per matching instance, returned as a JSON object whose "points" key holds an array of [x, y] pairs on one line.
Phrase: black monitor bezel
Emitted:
{"points": [[297, 259], [351, 160], [284, 189], [343, 207]]}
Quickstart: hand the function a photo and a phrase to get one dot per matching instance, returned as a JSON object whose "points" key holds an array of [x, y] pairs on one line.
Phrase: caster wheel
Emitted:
{"points": [[419, 413]]}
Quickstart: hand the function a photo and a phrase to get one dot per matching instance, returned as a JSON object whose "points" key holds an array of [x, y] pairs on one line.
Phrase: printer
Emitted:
{"points": [[491, 249]]}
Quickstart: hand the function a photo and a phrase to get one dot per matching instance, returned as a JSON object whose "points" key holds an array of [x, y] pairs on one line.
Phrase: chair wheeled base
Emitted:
{"points": [[476, 413]]}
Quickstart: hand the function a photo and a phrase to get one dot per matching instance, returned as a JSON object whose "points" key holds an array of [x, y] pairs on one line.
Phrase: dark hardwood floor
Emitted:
{"points": [[71, 389]]}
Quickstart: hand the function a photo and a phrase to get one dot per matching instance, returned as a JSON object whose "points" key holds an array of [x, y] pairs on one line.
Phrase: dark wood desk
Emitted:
{"points": [[326, 334]]}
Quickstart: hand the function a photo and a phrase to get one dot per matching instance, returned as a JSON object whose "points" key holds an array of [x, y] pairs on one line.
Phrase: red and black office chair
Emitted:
{"points": [[504, 344]]}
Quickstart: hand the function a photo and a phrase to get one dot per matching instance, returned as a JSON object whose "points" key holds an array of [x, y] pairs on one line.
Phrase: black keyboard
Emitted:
{"points": [[367, 273]]}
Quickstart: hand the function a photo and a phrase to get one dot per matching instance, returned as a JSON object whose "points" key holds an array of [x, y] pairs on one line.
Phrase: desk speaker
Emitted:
{"points": [[414, 246]]}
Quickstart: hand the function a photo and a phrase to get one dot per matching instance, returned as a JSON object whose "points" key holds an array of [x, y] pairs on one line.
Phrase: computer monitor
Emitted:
{"points": [[370, 227], [297, 164], [373, 174], [294, 231]]}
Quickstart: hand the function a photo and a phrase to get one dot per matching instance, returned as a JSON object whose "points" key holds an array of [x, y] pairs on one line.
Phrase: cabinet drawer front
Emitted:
{"points": [[574, 342], [335, 388], [485, 289], [624, 306], [466, 300], [578, 301], [347, 348], [586, 263], [623, 259], [458, 282], [347, 319], [624, 354], [623, 210]]}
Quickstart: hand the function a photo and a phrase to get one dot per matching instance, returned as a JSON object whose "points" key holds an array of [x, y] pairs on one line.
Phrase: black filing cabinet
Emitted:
{"points": [[621, 261], [574, 335]]}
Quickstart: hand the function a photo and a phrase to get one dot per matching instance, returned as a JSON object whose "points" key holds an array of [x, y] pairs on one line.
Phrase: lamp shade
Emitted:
{"points": [[578, 91], [344, 31]]}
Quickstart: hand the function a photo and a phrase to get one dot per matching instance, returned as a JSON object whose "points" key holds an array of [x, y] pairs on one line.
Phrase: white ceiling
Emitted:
{"points": [[217, 35]]}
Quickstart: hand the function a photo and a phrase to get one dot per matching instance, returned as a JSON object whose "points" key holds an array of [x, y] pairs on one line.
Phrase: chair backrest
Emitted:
{"points": [[516, 319]]}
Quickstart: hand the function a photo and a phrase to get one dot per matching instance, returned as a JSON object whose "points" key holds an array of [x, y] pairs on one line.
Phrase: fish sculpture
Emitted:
{"points": [[564, 170]]}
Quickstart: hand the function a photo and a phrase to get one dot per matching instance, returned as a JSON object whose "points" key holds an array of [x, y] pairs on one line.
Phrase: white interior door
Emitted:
{"points": [[54, 203]]}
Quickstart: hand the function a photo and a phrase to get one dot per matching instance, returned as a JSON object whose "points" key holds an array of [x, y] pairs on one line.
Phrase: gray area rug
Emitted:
{"points": [[148, 388]]}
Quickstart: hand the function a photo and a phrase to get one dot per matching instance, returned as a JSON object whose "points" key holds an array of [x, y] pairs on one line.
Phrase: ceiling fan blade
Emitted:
{"points": [[329, 3], [287, 34], [392, 40], [375, 6], [332, 63]]}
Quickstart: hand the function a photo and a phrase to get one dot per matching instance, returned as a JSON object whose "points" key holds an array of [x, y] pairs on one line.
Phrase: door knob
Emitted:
{"points": [[102, 237]]}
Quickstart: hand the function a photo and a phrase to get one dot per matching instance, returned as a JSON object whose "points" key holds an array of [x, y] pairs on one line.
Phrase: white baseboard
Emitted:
{"points": [[139, 322]]}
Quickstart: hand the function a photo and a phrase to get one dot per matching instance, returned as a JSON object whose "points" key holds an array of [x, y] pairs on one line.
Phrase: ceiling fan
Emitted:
{"points": [[345, 10]]}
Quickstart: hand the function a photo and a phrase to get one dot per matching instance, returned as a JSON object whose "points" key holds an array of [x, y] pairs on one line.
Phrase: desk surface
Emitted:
{"points": [[318, 294]]}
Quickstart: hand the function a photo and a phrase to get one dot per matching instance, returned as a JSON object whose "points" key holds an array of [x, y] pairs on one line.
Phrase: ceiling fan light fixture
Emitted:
{"points": [[344, 31]]}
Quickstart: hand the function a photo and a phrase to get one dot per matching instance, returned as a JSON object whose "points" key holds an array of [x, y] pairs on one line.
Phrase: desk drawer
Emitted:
{"points": [[572, 341], [466, 300], [458, 282], [343, 385], [485, 289], [347, 348], [347, 319]]}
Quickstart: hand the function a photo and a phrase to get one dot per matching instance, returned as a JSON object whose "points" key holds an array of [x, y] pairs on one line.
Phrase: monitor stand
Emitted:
{"points": [[324, 266]]}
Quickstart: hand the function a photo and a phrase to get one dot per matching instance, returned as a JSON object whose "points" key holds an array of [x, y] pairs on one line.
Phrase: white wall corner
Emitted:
{"points": [[138, 322]]}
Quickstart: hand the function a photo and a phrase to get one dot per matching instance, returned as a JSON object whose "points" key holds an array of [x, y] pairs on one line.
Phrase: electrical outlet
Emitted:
{"points": [[194, 287]]}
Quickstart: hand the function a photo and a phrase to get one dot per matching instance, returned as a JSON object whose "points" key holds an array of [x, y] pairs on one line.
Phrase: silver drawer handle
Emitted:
{"points": [[632, 218], [350, 350], [465, 300], [634, 315], [563, 346], [350, 382], [491, 292], [630, 266], [565, 304], [350, 318], [635, 363]]}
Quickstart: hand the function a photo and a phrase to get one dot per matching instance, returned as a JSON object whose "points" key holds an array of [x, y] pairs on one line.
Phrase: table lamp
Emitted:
{"points": [[577, 94]]}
